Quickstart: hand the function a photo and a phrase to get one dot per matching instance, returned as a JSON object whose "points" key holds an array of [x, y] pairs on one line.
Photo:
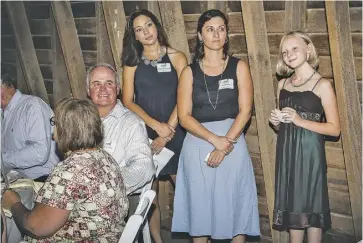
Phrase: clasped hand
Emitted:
{"points": [[223, 146], [286, 115]]}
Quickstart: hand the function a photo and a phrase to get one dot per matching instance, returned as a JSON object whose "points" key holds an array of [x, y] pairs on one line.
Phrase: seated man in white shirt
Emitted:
{"points": [[27, 144], [125, 136]]}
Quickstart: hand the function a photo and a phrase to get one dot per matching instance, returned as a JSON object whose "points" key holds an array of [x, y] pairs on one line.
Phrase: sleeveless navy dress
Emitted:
{"points": [[301, 190], [155, 93]]}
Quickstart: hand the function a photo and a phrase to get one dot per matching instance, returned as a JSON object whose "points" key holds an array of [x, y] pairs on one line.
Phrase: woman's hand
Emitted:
{"points": [[215, 158], [158, 144], [222, 144], [290, 115], [164, 130], [274, 118], [9, 198]]}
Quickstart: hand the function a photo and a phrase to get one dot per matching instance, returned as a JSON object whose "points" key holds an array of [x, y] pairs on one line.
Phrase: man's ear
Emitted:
{"points": [[88, 93], [118, 90]]}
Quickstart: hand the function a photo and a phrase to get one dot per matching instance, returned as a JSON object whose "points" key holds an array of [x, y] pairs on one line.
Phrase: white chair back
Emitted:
{"points": [[135, 221]]}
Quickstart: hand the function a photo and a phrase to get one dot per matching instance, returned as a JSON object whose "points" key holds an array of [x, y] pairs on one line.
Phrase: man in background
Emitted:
{"points": [[26, 142]]}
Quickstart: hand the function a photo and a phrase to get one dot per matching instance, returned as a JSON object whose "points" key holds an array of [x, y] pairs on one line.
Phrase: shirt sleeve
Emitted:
{"points": [[38, 139], [61, 190], [139, 168]]}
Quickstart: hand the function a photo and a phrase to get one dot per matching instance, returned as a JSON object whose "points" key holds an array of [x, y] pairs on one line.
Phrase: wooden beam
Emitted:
{"points": [[264, 97], [220, 5], [337, 14], [153, 6], [20, 79], [71, 48], [61, 86], [26, 51], [173, 23], [295, 15], [104, 52], [115, 21]]}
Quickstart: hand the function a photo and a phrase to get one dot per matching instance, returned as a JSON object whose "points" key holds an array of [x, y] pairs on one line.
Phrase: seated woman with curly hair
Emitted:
{"points": [[84, 197]]}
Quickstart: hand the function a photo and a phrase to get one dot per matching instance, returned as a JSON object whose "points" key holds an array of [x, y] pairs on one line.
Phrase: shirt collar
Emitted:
{"points": [[14, 100], [116, 111]]}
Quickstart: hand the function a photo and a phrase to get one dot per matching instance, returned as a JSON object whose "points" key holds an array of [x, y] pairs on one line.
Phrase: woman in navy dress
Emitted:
{"points": [[150, 79], [215, 195]]}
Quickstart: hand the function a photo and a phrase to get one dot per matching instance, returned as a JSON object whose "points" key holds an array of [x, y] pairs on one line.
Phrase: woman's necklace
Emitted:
{"points": [[153, 62], [206, 86], [299, 85]]}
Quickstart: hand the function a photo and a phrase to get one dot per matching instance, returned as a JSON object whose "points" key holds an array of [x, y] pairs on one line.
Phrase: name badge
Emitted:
{"points": [[109, 146], [163, 67], [226, 84]]}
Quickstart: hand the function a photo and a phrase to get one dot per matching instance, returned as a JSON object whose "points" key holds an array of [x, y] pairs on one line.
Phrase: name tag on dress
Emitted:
{"points": [[226, 84], [163, 67]]}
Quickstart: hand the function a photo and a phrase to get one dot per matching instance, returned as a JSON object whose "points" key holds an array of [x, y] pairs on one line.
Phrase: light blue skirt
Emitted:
{"points": [[218, 202]]}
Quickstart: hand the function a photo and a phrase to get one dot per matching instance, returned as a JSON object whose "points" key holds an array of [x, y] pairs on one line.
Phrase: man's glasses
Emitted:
{"points": [[52, 121]]}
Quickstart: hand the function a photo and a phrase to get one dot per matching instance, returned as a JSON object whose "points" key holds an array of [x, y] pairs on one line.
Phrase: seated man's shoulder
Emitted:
{"points": [[129, 117]]}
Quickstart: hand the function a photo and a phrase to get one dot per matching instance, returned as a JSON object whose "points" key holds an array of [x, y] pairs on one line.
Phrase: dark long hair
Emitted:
{"points": [[132, 48], [206, 16]]}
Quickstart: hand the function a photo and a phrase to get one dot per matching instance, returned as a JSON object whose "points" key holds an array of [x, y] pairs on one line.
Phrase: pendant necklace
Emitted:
{"points": [[153, 62], [206, 86], [299, 85]]}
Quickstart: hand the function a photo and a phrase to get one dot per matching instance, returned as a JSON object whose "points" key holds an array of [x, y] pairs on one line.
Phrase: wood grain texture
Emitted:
{"points": [[26, 50], [348, 103], [71, 48]]}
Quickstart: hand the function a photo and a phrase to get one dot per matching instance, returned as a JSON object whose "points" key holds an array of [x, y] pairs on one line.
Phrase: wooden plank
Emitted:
{"points": [[40, 27], [220, 5], [71, 48], [264, 97], [173, 23], [295, 15], [153, 6], [26, 50], [86, 26], [275, 21], [115, 21], [348, 103], [20, 79], [61, 86], [104, 52]]}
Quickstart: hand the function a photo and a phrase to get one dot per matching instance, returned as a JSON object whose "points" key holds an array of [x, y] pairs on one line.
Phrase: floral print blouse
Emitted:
{"points": [[89, 184]]}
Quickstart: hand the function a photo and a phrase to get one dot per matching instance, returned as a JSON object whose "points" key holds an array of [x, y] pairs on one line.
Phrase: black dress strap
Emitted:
{"points": [[316, 83]]}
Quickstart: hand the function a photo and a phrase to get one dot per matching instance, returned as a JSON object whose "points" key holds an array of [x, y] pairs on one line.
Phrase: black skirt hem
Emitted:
{"points": [[283, 220]]}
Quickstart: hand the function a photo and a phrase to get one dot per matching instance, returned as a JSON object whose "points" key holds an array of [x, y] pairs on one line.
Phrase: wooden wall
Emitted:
{"points": [[46, 44]]}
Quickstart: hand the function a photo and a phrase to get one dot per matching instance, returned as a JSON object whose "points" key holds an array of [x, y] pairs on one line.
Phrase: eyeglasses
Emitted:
{"points": [[52, 121]]}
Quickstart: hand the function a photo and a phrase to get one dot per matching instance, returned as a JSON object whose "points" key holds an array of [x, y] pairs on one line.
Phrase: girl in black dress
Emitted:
{"points": [[150, 78], [307, 111]]}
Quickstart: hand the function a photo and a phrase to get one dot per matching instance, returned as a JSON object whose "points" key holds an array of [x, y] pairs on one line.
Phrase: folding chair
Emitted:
{"points": [[135, 221]]}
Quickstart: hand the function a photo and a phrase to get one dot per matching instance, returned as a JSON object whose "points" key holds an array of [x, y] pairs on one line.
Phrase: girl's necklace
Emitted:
{"points": [[299, 85], [206, 86]]}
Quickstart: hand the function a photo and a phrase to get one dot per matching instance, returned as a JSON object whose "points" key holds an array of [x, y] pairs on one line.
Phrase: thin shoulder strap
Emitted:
{"points": [[284, 83], [316, 83]]}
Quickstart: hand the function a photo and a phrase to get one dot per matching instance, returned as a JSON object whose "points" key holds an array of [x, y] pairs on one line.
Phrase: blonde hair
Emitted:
{"points": [[78, 125], [313, 59]]}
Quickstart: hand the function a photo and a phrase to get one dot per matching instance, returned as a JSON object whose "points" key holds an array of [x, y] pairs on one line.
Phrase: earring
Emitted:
{"points": [[226, 41]]}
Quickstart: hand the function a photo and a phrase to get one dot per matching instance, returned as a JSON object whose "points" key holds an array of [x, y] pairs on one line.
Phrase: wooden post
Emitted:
{"points": [[153, 6], [337, 14], [220, 5], [295, 15], [61, 86], [26, 51], [115, 22], [20, 79], [173, 23], [264, 97], [71, 48], [104, 52]]}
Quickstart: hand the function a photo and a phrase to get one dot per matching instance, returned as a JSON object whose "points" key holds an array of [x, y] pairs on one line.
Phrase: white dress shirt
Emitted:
{"points": [[125, 138], [27, 144]]}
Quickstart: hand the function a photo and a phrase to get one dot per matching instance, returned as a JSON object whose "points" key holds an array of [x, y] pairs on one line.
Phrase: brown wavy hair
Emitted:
{"points": [[78, 125]]}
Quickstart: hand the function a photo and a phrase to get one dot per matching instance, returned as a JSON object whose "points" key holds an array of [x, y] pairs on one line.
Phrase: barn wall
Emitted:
{"points": [[40, 19]]}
